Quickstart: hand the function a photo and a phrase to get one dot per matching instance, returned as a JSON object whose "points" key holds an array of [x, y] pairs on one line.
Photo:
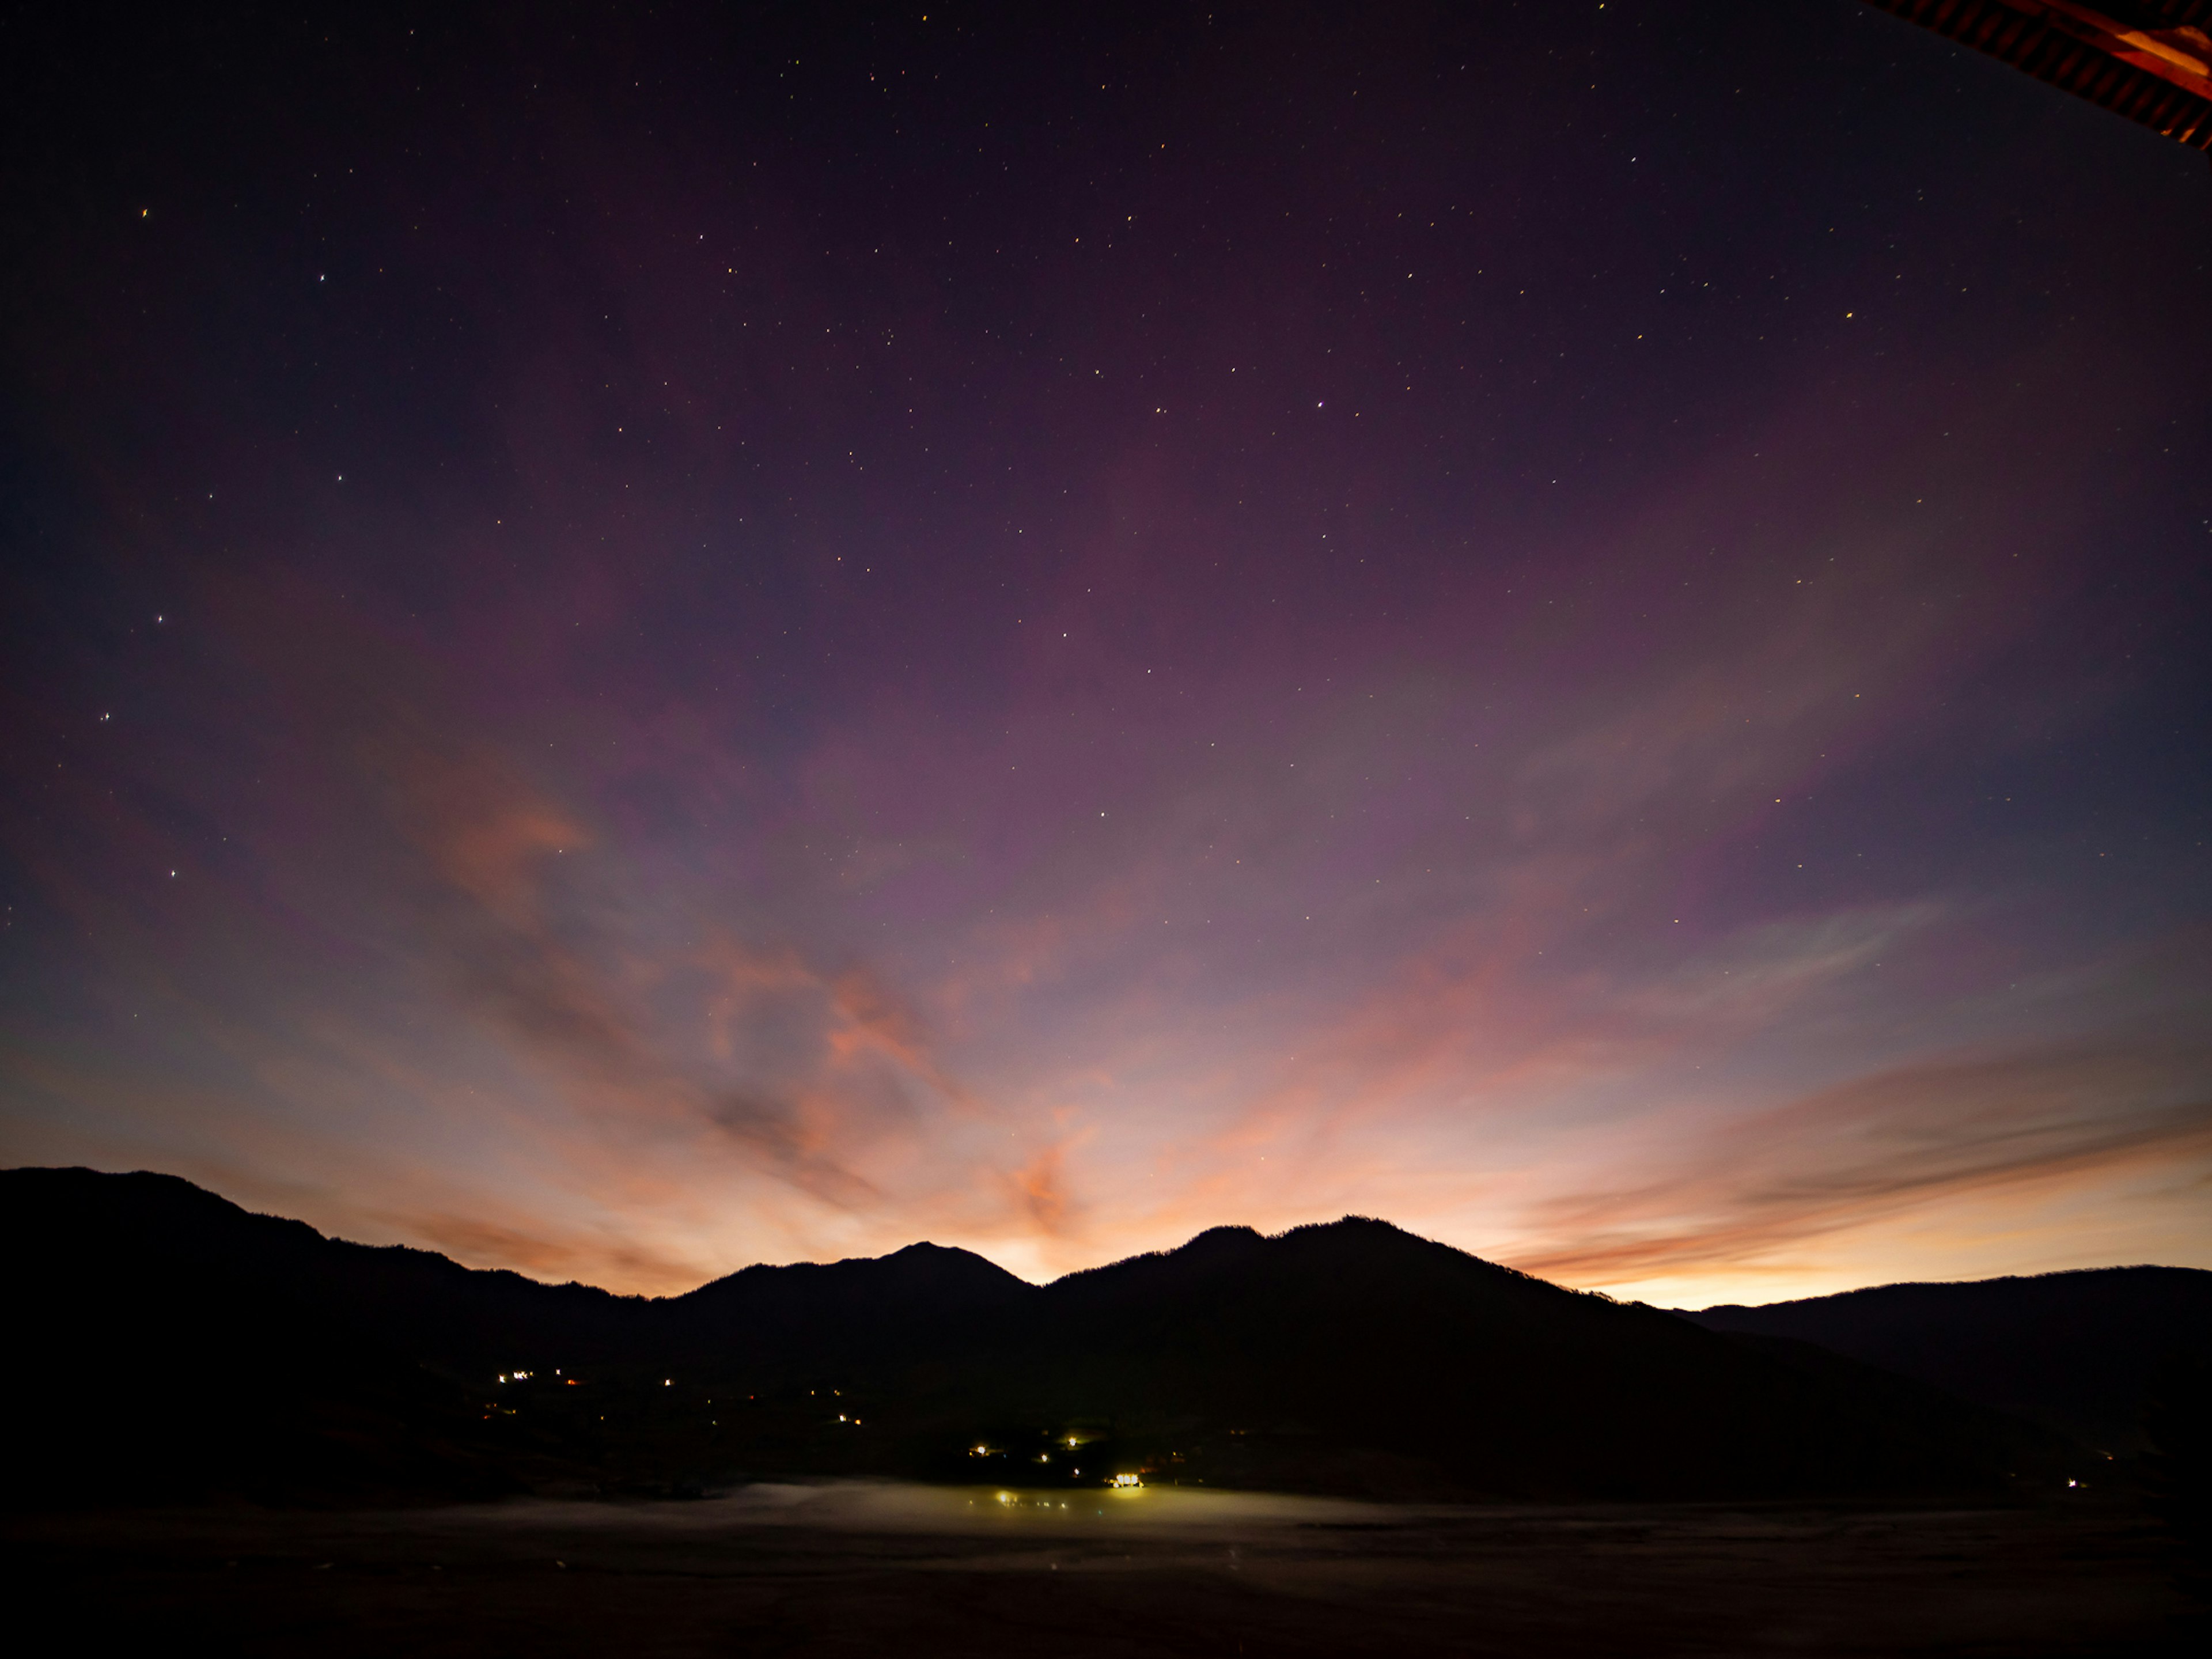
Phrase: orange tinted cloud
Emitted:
{"points": [[1908, 1136]]}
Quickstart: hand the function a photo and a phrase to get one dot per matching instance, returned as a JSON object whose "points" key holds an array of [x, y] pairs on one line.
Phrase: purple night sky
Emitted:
{"points": [[637, 643]]}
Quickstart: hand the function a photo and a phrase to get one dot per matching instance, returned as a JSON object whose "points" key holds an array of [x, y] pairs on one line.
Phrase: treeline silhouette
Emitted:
{"points": [[169, 1345]]}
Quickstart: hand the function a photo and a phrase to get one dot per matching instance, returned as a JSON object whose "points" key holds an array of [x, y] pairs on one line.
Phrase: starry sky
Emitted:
{"points": [[636, 642]]}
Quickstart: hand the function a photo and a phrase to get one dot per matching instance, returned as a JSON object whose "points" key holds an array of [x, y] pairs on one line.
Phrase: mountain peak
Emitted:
{"points": [[1231, 1236], [1260, 1359]]}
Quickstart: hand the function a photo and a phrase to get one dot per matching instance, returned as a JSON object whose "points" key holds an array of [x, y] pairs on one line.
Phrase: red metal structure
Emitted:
{"points": [[2150, 60]]}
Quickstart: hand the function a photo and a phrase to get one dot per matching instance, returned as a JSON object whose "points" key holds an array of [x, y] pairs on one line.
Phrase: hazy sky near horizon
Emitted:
{"points": [[638, 644]]}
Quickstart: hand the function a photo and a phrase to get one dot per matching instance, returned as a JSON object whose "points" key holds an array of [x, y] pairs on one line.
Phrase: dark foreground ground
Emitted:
{"points": [[878, 1569]]}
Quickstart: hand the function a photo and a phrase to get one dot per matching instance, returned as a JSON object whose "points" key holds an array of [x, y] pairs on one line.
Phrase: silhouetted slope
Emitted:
{"points": [[171, 1344], [2074, 1352], [790, 1322], [1356, 1336], [168, 1342], [162, 1246], [164, 1342]]}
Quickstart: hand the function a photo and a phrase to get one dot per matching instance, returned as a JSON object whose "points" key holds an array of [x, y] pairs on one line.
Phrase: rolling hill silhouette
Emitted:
{"points": [[2074, 1352], [172, 1344]]}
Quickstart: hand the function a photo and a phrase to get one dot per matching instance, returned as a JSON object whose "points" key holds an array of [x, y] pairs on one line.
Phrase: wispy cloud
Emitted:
{"points": [[1904, 1137]]}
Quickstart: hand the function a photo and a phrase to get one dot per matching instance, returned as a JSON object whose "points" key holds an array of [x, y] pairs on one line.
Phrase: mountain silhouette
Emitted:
{"points": [[172, 1344], [841, 1313], [1333, 1346], [2074, 1352]]}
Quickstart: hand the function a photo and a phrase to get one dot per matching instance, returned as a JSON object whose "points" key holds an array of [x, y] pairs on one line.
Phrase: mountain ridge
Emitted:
{"points": [[2073, 1350], [182, 1336]]}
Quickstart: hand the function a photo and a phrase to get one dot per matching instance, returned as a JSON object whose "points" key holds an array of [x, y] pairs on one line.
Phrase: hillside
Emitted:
{"points": [[180, 1346], [2074, 1352]]}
